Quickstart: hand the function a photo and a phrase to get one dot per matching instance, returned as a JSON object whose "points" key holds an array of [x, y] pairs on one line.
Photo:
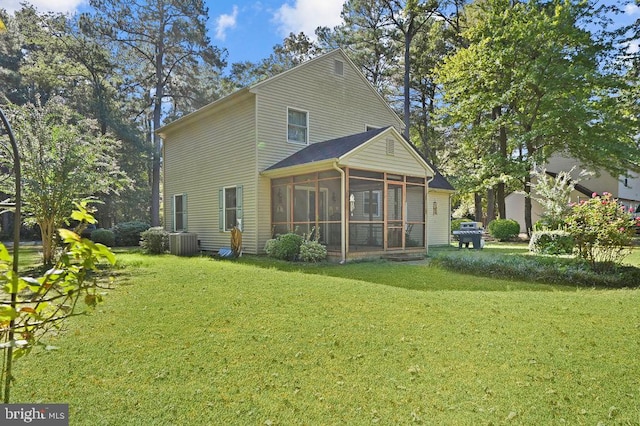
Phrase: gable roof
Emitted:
{"points": [[335, 149], [580, 188], [253, 89], [331, 149]]}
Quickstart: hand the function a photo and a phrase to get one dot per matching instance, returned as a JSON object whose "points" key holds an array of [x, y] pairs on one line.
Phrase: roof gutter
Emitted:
{"points": [[426, 215], [343, 222]]}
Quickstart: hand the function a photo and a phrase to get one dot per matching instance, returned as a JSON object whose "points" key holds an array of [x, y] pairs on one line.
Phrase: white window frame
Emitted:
{"points": [[183, 213], [225, 226], [306, 128]]}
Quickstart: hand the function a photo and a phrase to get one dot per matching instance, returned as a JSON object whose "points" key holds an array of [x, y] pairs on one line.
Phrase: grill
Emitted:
{"points": [[470, 232]]}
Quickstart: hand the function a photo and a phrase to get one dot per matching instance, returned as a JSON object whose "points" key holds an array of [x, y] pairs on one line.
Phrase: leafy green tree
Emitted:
{"points": [[160, 42], [532, 81], [553, 192], [40, 304], [409, 17], [64, 158], [369, 41]]}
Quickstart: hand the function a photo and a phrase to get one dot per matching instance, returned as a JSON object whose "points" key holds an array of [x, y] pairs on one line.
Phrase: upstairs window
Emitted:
{"points": [[297, 126]]}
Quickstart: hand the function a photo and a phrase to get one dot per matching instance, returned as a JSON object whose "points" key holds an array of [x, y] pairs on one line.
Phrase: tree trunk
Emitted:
{"points": [[407, 69], [155, 139], [491, 205], [502, 149], [527, 204], [48, 242], [478, 207]]}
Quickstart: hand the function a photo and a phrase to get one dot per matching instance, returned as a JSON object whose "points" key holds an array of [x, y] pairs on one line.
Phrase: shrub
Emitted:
{"points": [[312, 251], [155, 240], [285, 247], [128, 233], [455, 223], [103, 236], [551, 270], [504, 229], [602, 230], [551, 242]]}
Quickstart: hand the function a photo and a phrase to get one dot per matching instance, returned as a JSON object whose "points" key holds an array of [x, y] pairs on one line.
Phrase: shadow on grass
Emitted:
{"points": [[498, 267]]}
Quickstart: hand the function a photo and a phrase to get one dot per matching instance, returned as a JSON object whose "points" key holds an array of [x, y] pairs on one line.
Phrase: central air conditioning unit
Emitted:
{"points": [[183, 243]]}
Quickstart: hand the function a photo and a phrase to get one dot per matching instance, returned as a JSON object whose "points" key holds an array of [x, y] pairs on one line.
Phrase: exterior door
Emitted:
{"points": [[395, 219]]}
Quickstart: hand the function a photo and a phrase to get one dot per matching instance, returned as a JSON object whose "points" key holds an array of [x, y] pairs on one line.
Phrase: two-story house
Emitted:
{"points": [[315, 148], [626, 189]]}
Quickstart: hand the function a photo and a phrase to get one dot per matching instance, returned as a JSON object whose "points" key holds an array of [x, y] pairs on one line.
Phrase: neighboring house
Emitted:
{"points": [[625, 188], [315, 147]]}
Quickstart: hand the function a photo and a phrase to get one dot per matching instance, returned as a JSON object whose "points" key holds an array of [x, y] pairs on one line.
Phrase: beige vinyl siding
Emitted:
{"points": [[373, 156], [215, 150], [438, 228], [337, 106], [264, 212]]}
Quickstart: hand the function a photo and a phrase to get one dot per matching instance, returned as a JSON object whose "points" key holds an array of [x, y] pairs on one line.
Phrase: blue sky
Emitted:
{"points": [[249, 29]]}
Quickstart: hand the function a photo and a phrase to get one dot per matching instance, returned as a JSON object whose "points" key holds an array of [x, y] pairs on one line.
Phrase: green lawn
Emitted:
{"points": [[198, 342]]}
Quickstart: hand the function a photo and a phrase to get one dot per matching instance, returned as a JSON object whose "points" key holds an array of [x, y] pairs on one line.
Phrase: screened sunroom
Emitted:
{"points": [[339, 192]]}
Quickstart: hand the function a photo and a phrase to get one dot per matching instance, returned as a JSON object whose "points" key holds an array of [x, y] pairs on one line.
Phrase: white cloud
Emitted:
{"points": [[632, 9], [633, 47], [307, 15], [64, 6], [225, 22]]}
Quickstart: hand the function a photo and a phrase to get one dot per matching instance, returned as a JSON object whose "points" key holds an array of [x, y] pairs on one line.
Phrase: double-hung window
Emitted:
{"points": [[180, 212], [230, 208], [297, 126]]}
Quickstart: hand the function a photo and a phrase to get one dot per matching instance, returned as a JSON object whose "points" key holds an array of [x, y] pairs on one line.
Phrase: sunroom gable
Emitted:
{"points": [[383, 150]]}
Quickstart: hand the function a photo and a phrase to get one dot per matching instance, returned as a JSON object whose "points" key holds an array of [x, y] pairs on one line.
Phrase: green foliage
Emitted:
{"points": [[104, 236], [455, 223], [37, 305], [128, 233], [312, 251], [504, 229], [331, 338], [64, 158], [155, 240], [602, 230], [551, 270], [551, 242], [554, 195], [285, 247], [532, 73]]}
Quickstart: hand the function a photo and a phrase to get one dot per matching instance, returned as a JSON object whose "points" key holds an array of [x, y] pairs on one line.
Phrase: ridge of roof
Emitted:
{"points": [[333, 148]]}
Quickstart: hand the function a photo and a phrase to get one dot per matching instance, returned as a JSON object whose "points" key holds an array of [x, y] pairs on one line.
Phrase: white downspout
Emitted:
{"points": [[426, 216], [343, 219]]}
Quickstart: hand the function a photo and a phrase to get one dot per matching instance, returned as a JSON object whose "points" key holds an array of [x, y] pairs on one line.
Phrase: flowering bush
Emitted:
{"points": [[312, 251], [601, 229]]}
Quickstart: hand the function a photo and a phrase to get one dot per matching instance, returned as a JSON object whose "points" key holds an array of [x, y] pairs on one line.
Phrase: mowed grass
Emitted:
{"points": [[198, 342]]}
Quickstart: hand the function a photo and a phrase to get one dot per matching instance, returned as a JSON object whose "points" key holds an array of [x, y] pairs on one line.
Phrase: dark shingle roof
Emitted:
{"points": [[326, 150], [336, 148], [580, 188]]}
